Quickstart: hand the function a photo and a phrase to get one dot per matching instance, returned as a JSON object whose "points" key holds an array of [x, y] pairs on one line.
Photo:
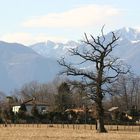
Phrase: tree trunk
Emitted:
{"points": [[100, 125], [100, 117]]}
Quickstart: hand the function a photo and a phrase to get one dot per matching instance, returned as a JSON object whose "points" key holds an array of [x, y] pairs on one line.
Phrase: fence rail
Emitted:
{"points": [[109, 126]]}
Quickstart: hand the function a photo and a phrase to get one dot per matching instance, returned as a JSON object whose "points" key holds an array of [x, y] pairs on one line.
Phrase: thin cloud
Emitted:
{"points": [[85, 16], [29, 39]]}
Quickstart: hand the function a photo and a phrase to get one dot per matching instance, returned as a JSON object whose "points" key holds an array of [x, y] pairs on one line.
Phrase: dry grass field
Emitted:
{"points": [[43, 132]]}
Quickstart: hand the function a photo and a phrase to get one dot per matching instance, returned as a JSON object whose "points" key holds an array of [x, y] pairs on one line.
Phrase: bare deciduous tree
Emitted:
{"points": [[105, 69], [41, 92], [126, 92]]}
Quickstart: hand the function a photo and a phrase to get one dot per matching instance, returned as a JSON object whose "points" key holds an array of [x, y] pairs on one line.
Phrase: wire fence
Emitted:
{"points": [[109, 126]]}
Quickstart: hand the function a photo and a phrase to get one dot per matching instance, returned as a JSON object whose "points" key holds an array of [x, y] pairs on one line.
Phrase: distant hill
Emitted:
{"points": [[20, 64]]}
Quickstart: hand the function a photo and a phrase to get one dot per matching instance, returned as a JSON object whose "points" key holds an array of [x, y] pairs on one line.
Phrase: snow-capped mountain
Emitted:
{"points": [[128, 48], [20, 64], [54, 50]]}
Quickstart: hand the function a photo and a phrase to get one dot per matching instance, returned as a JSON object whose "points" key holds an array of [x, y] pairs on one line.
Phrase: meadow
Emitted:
{"points": [[57, 132]]}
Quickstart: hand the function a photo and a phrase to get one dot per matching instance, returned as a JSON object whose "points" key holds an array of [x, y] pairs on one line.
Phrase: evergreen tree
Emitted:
{"points": [[63, 99]]}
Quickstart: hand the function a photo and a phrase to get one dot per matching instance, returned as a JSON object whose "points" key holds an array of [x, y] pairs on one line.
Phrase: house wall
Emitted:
{"points": [[41, 108], [15, 109]]}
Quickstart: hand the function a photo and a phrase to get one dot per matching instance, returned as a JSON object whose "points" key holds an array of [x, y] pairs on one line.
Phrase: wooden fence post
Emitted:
{"points": [[73, 126], [117, 127], [67, 125], [132, 127], [90, 126], [124, 126]]}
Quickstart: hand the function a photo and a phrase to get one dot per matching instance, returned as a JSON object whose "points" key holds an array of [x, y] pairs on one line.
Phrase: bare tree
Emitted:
{"points": [[137, 93], [105, 69], [29, 90], [126, 91], [78, 93]]}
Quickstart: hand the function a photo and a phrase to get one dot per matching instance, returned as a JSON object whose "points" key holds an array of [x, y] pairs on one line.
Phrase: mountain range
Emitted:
{"points": [[21, 64], [128, 48]]}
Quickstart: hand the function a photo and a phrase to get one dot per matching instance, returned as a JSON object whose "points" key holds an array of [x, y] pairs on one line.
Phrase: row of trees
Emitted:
{"points": [[124, 93], [58, 95]]}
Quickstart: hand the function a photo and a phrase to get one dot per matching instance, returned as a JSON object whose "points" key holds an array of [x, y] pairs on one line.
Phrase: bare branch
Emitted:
{"points": [[102, 31], [106, 68]]}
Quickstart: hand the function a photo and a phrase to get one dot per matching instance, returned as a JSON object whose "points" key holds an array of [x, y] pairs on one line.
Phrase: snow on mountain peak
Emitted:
{"points": [[128, 46], [53, 49], [129, 33]]}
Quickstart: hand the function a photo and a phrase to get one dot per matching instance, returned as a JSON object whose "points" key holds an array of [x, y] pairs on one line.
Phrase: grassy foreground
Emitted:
{"points": [[54, 133]]}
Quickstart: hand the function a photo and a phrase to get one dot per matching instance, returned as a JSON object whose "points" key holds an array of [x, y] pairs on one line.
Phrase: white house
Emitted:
{"points": [[15, 108], [42, 107]]}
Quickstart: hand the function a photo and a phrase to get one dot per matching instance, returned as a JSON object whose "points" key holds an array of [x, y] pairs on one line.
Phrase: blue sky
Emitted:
{"points": [[31, 21]]}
